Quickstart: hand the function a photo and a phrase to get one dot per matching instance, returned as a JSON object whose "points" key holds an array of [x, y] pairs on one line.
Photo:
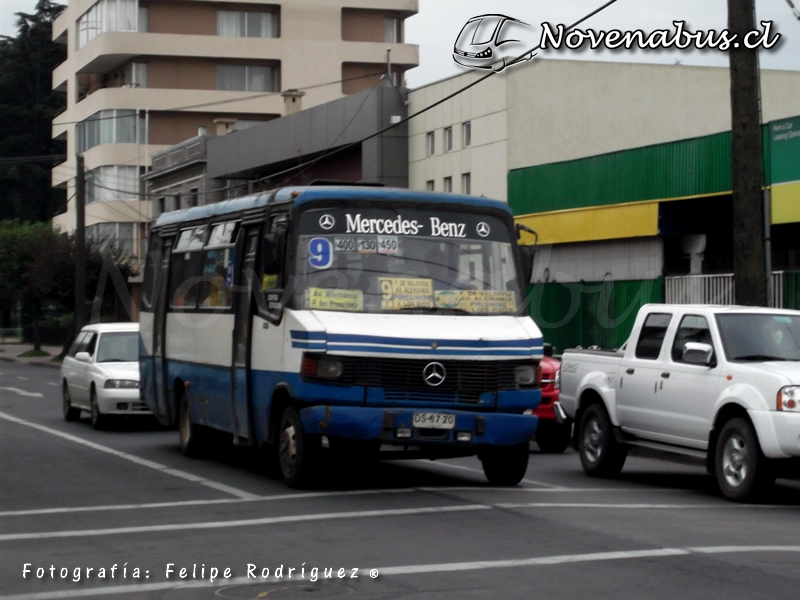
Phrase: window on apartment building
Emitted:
{"points": [[111, 127], [448, 184], [117, 236], [391, 30], [240, 23], [430, 143], [448, 139], [429, 185], [105, 184], [162, 205], [144, 20], [195, 193], [466, 134], [466, 183], [246, 78], [135, 75], [176, 202], [105, 16]]}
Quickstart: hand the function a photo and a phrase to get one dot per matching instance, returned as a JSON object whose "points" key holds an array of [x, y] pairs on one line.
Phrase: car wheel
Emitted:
{"points": [[601, 455], [298, 452], [195, 439], [70, 412], [743, 472], [505, 465], [99, 420], [552, 438]]}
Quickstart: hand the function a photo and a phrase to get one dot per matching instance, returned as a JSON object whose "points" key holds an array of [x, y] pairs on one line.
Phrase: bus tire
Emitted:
{"points": [[194, 438], [298, 451], [505, 465]]}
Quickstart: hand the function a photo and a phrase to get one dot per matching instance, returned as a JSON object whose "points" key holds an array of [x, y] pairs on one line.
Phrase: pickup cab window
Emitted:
{"points": [[693, 328], [652, 337], [759, 337]]}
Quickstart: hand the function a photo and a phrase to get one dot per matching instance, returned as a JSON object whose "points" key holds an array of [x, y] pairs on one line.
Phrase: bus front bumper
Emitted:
{"points": [[396, 426]]}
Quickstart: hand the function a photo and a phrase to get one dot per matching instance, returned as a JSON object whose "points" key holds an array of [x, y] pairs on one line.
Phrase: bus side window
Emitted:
{"points": [[273, 252], [184, 279], [152, 272]]}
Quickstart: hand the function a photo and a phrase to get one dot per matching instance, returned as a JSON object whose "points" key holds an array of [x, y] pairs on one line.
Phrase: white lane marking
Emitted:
{"points": [[474, 470], [405, 570], [135, 459], [22, 392], [622, 505], [363, 514], [51, 511], [311, 495], [23, 378], [51, 383]]}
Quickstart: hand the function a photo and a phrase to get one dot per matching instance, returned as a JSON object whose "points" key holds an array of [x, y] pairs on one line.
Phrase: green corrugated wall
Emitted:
{"points": [[791, 289], [691, 167], [587, 314]]}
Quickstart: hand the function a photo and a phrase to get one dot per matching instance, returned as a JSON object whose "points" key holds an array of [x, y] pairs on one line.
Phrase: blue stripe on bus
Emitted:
{"points": [[335, 338], [307, 335], [309, 345], [534, 351]]}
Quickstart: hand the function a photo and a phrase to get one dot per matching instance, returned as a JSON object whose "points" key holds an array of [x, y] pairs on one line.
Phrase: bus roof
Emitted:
{"points": [[299, 195]]}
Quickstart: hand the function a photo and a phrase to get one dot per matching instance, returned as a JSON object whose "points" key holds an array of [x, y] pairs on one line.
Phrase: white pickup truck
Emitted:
{"points": [[717, 382]]}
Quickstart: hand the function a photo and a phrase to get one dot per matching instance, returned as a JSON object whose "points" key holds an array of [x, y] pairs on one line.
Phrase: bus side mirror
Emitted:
{"points": [[526, 254], [272, 253], [548, 349]]}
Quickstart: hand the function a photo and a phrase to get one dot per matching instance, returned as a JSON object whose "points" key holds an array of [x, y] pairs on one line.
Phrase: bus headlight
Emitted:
{"points": [[525, 375], [120, 384], [789, 398], [329, 368]]}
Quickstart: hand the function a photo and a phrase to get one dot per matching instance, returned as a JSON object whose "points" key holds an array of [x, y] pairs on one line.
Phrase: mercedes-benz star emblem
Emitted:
{"points": [[434, 374], [327, 222], [482, 229]]}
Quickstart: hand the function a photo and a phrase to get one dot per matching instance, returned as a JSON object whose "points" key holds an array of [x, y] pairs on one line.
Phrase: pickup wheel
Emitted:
{"points": [[553, 438], [505, 465], [298, 452], [743, 472], [601, 455]]}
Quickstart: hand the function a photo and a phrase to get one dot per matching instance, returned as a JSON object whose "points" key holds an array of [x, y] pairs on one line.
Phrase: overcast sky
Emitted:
{"points": [[439, 22]]}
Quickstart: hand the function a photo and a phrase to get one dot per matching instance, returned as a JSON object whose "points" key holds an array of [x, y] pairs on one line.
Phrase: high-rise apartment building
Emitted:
{"points": [[144, 75]]}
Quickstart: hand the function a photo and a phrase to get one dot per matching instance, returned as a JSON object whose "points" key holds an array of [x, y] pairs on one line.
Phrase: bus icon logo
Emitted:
{"points": [[327, 222]]}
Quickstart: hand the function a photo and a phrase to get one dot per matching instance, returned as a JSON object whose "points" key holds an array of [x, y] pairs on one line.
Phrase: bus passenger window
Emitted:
{"points": [[184, 279], [214, 290]]}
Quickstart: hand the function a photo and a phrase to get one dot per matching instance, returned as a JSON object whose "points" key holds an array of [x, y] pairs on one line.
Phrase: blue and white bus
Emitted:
{"points": [[350, 316]]}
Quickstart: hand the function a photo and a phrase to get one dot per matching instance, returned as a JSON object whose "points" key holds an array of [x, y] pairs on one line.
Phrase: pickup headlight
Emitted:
{"points": [[557, 382], [120, 384], [789, 398]]}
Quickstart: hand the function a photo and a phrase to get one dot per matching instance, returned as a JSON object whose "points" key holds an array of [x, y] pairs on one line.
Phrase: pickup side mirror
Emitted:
{"points": [[696, 353], [83, 357]]}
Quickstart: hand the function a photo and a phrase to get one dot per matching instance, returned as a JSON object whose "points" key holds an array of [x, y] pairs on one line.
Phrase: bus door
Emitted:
{"points": [[165, 416], [247, 285]]}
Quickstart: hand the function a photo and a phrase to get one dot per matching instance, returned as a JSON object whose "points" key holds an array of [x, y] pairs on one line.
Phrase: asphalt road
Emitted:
{"points": [[76, 499]]}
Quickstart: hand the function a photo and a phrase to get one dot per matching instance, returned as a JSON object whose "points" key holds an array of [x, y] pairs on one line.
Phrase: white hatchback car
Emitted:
{"points": [[100, 373]]}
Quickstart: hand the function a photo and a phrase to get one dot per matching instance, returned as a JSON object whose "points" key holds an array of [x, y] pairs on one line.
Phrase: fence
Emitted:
{"points": [[714, 289]]}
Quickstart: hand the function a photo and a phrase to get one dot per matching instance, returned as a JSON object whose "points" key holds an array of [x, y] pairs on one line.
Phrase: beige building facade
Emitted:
{"points": [[549, 111], [143, 75]]}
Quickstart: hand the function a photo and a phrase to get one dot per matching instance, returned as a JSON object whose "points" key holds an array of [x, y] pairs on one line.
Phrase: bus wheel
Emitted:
{"points": [[298, 452], [194, 438], [505, 465]]}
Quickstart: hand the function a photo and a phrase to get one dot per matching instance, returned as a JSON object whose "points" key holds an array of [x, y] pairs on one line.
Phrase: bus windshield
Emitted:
{"points": [[379, 260]]}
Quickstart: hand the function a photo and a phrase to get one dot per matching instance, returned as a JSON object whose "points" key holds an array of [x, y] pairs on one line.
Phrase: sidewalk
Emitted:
{"points": [[11, 352]]}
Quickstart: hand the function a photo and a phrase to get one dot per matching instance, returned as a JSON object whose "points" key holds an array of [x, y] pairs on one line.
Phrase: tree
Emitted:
{"points": [[27, 107], [37, 267]]}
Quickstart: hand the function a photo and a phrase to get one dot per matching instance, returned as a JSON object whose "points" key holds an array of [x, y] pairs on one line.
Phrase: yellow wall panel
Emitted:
{"points": [[592, 224], [786, 203]]}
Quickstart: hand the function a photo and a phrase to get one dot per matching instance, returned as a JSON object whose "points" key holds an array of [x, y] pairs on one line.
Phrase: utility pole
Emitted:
{"points": [[750, 274], [80, 244]]}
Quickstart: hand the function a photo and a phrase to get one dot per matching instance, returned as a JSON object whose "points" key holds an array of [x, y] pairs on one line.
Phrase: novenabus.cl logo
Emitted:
{"points": [[486, 42]]}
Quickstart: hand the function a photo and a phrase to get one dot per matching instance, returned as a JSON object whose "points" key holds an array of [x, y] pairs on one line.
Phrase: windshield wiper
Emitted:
{"points": [[434, 310], [760, 357]]}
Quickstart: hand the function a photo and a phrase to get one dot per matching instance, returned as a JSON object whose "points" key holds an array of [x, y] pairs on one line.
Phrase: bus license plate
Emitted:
{"points": [[434, 420]]}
